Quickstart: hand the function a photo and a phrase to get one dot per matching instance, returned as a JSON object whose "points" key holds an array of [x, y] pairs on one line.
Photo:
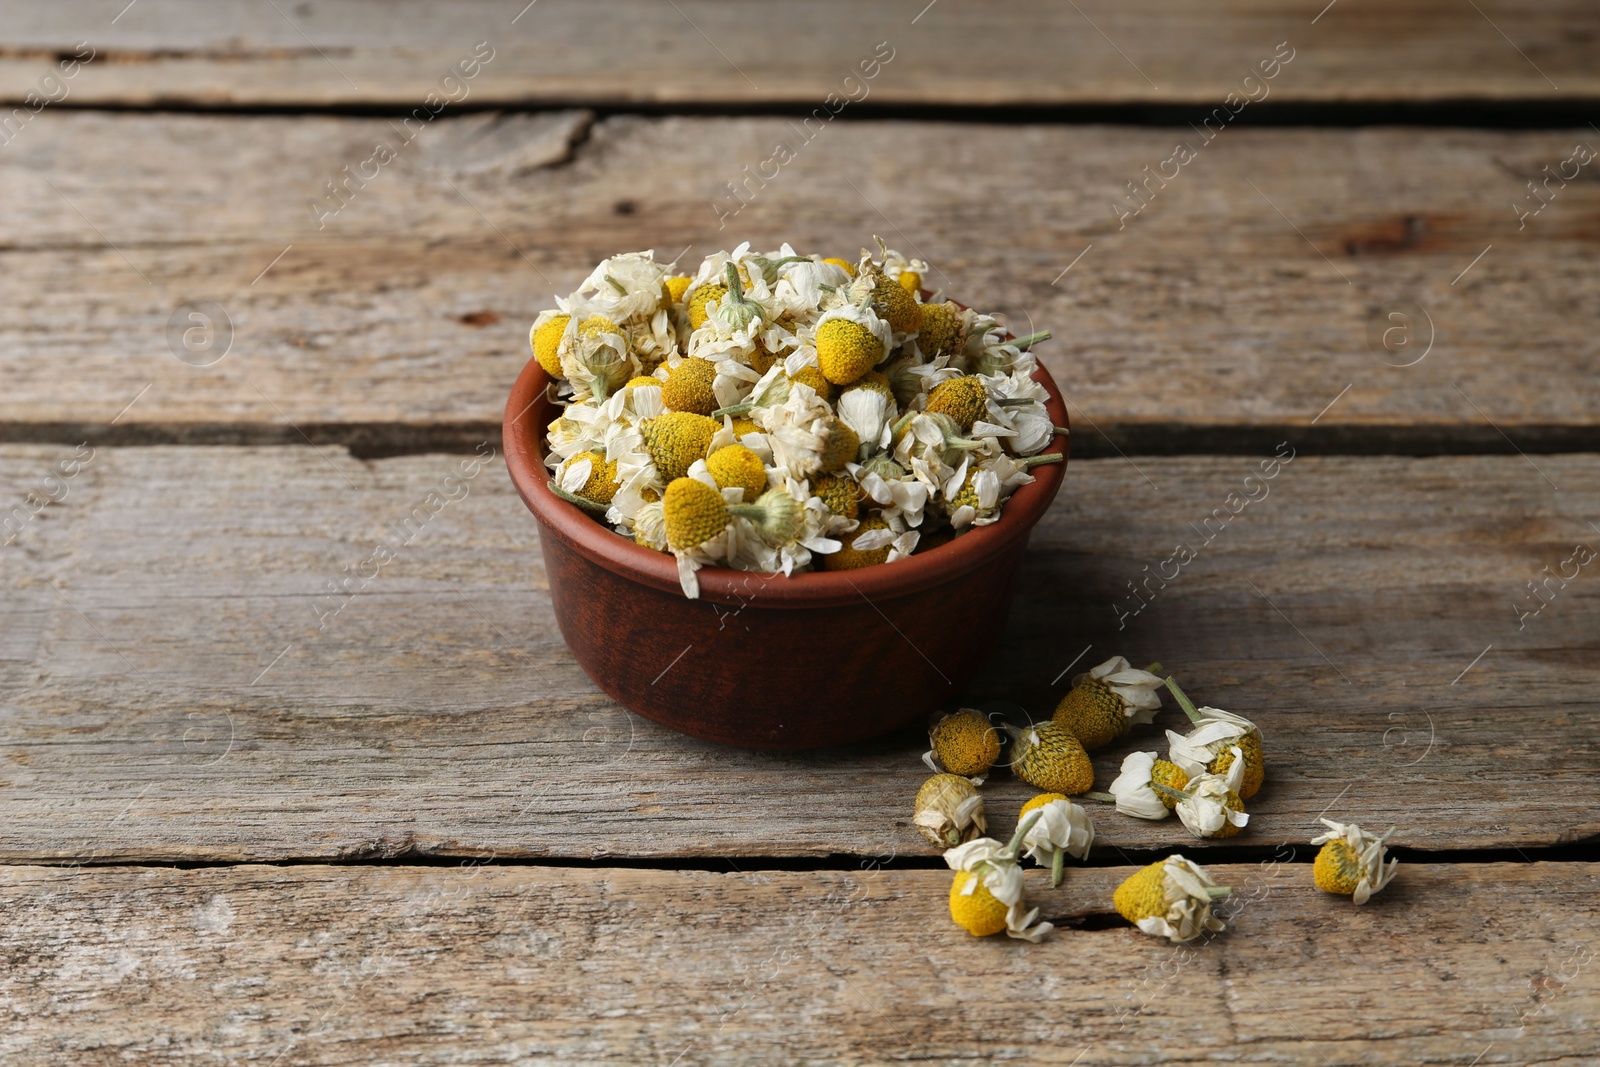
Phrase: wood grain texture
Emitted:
{"points": [[620, 52], [180, 684], [404, 965], [1206, 311]]}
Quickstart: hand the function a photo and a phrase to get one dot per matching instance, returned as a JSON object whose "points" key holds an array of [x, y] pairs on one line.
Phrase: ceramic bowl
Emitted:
{"points": [[767, 661]]}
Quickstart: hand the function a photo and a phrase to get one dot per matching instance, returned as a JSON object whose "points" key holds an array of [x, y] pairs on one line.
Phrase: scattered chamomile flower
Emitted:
{"points": [[1108, 701], [1210, 745], [1134, 791], [1171, 898], [964, 742], [986, 893], [1351, 862], [1051, 759], [1209, 805], [1063, 830], [949, 811]]}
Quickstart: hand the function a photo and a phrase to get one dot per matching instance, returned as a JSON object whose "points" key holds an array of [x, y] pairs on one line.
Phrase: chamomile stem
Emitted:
{"points": [[1153, 668], [1040, 460], [1062, 431], [1029, 341], [734, 410], [616, 285], [1057, 866], [1022, 828], [1104, 798], [752, 512], [1184, 702], [586, 505]]}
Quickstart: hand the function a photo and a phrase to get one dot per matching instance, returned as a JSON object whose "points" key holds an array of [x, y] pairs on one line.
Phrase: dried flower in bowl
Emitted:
{"points": [[822, 372]]}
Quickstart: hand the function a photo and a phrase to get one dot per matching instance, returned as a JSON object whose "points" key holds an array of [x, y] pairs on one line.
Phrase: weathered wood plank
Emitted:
{"points": [[401, 965], [363, 52], [180, 685], [1207, 310]]}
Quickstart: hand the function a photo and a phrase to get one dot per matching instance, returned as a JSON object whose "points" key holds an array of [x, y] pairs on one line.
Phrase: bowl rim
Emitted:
{"points": [[523, 442]]}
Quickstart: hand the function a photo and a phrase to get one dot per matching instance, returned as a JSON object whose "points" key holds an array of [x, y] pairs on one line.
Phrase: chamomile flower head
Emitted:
{"points": [[675, 440], [843, 264], [694, 513], [964, 399], [1209, 805], [1049, 758], [868, 413], [839, 493], [986, 893], [850, 341], [545, 337], [1352, 861], [1209, 747], [964, 742], [868, 546], [910, 281], [735, 466], [688, 386], [942, 330], [949, 811], [887, 299], [776, 515], [1171, 898], [650, 526], [1063, 830], [591, 476], [677, 285], [1107, 701], [623, 288], [595, 357], [699, 302], [813, 379], [1135, 792]]}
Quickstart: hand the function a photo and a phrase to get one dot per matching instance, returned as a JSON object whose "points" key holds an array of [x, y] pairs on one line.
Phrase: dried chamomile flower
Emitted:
{"points": [[839, 493], [1171, 898], [688, 386], [964, 399], [910, 281], [949, 811], [1351, 862], [677, 285], [1135, 791], [850, 341], [1108, 701], [592, 477], [545, 337], [964, 742], [986, 893], [1051, 759], [1209, 804], [868, 546], [675, 440], [1209, 746], [737, 466], [942, 331], [1063, 830], [595, 357]]}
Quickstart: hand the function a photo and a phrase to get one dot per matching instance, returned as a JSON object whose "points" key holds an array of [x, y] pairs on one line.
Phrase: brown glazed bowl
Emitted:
{"points": [[765, 661]]}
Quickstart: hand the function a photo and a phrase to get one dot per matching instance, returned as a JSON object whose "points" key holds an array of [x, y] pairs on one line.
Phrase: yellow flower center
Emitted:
{"points": [[910, 281], [848, 558], [966, 743], [547, 344], [694, 513], [736, 465], [1337, 869], [676, 287], [697, 303], [840, 493], [688, 386], [963, 399], [1254, 763], [1051, 759], [602, 484], [846, 350], [979, 913], [811, 376], [896, 306], [1091, 712], [675, 440], [1142, 896], [940, 329]]}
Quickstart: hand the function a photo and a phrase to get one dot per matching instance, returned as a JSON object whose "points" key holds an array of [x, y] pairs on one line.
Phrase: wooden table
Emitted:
{"points": [[245, 819]]}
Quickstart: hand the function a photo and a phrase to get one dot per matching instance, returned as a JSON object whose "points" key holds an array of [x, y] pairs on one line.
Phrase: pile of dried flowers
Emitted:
{"points": [[778, 412], [1206, 777]]}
